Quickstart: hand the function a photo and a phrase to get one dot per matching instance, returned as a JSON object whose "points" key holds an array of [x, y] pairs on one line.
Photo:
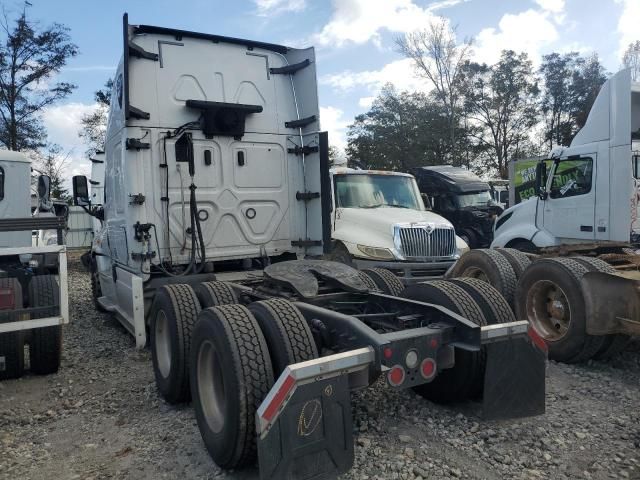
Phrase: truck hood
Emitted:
{"points": [[383, 219]]}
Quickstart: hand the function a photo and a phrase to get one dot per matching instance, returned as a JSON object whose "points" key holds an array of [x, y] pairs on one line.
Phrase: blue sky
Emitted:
{"points": [[354, 40]]}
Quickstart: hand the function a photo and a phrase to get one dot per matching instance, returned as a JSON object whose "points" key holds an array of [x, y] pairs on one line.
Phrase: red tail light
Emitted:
{"points": [[428, 368], [7, 299], [396, 376]]}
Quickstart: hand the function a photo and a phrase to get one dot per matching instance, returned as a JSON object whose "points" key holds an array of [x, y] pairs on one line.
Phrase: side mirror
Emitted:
{"points": [[44, 187], [80, 191], [426, 201], [541, 180]]}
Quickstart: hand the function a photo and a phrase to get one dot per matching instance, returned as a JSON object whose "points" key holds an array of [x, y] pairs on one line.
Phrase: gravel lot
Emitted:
{"points": [[100, 418]]}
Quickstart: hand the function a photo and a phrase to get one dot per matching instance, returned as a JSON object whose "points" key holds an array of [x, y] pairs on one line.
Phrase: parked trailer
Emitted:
{"points": [[222, 163], [33, 280]]}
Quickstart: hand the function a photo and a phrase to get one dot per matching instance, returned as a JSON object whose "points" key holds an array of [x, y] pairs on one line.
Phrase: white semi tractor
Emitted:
{"points": [[33, 279], [378, 220], [582, 292], [213, 159]]}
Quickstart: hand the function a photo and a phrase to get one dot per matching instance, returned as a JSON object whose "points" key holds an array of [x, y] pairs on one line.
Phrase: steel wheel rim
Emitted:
{"points": [[211, 386], [548, 310], [163, 344], [475, 272]]}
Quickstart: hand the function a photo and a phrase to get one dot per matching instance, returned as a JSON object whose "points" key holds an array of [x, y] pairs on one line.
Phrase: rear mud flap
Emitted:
{"points": [[312, 437], [304, 425], [613, 303], [514, 383]]}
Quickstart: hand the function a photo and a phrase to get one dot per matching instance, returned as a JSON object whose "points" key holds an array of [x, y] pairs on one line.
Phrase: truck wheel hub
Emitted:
{"points": [[548, 310]]}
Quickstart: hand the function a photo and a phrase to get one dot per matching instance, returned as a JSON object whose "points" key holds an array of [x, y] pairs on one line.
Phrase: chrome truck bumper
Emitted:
{"points": [[409, 272], [304, 425]]}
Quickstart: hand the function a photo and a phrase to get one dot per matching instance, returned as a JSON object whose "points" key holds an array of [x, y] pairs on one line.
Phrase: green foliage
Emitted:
{"points": [[571, 85], [631, 59], [30, 57], [94, 124], [400, 131], [500, 100]]}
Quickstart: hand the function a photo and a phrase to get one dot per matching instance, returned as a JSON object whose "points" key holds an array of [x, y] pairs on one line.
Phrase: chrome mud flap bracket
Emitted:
{"points": [[514, 382], [304, 426]]}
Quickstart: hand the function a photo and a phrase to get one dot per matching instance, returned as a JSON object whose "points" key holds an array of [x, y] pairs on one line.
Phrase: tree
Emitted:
{"points": [[557, 100], [571, 85], [500, 100], [399, 132], [631, 59], [53, 162], [439, 58], [587, 82], [94, 124], [30, 57]]}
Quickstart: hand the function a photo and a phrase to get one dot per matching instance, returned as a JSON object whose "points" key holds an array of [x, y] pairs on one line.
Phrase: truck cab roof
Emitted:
{"points": [[350, 171], [445, 178]]}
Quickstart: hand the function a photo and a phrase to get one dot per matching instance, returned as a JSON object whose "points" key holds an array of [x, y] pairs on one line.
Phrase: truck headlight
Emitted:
{"points": [[376, 252]]}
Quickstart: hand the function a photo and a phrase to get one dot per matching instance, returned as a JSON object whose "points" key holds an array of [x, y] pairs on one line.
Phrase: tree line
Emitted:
{"points": [[477, 115]]}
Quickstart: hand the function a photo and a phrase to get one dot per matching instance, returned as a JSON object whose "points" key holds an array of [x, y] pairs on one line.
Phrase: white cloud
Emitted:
{"points": [[274, 7], [360, 21], [366, 102], [399, 72], [628, 24], [529, 31], [442, 4], [554, 6], [63, 123], [333, 121]]}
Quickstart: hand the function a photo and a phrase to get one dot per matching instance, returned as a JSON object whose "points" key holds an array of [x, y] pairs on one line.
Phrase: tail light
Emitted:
{"points": [[396, 376], [7, 299], [428, 368]]}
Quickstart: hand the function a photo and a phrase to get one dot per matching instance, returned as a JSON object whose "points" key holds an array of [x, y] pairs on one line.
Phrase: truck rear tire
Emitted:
{"points": [[213, 294], [11, 355], [519, 261], [489, 266], [549, 296], [173, 315], [464, 380], [613, 344], [231, 373], [368, 281], [386, 281], [493, 305], [45, 346], [286, 331]]}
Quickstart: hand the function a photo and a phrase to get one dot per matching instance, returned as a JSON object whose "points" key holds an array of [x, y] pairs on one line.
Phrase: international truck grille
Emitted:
{"points": [[427, 242]]}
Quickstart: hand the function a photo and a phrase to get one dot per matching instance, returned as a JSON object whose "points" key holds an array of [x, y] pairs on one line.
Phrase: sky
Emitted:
{"points": [[354, 39]]}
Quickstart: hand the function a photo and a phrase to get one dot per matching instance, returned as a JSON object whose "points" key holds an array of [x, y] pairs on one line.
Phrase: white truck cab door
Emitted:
{"points": [[569, 209]]}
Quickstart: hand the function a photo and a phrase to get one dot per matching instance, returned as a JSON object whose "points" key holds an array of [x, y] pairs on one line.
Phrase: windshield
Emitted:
{"points": [[475, 199], [374, 191]]}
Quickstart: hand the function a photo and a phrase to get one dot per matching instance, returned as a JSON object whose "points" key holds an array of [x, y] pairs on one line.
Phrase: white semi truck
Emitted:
{"points": [[213, 159], [378, 220], [582, 293], [33, 279]]}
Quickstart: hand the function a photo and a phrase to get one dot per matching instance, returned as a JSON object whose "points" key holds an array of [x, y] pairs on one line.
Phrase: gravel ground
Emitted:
{"points": [[100, 417]]}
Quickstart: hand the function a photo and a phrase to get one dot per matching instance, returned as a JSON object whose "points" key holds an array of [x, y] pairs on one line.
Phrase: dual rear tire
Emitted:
{"points": [[478, 302], [225, 357]]}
